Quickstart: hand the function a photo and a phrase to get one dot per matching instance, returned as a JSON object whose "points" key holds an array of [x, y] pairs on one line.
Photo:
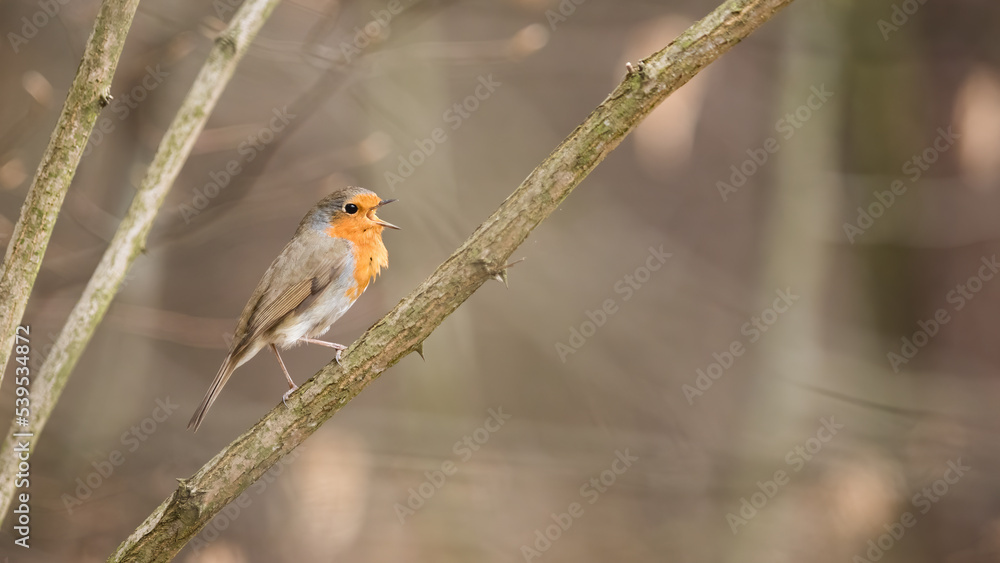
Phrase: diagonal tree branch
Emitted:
{"points": [[58, 166], [482, 257], [130, 238]]}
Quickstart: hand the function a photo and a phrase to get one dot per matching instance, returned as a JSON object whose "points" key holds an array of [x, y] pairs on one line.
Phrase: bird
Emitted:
{"points": [[336, 251]]}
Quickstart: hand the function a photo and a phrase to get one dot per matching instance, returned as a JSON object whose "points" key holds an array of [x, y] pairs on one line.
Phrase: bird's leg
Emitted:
{"points": [[291, 384], [338, 347]]}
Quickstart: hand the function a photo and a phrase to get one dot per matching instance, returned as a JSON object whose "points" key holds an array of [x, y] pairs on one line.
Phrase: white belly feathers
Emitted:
{"points": [[328, 306]]}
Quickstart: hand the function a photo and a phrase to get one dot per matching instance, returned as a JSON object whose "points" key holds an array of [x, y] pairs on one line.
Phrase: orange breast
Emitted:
{"points": [[370, 255]]}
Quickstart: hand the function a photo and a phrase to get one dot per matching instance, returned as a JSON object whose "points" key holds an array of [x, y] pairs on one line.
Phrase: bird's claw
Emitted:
{"points": [[284, 398]]}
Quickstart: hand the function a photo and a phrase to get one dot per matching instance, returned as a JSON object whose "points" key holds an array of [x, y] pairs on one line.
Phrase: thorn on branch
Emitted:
{"points": [[639, 68], [105, 98], [183, 503], [226, 43], [419, 349], [499, 273]]}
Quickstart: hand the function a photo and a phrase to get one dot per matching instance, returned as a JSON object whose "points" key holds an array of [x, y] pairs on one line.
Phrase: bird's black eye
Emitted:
{"points": [[351, 208]]}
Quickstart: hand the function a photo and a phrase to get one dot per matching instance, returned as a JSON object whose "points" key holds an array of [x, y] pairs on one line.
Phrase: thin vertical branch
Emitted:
{"points": [[41, 207], [130, 239]]}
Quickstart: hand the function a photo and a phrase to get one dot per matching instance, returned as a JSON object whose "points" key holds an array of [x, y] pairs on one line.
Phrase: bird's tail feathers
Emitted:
{"points": [[228, 366]]}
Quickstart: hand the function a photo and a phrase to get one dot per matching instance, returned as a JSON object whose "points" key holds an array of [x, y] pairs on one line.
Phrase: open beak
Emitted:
{"points": [[378, 221]]}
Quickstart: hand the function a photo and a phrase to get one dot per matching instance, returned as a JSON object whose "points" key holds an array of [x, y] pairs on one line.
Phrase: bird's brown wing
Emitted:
{"points": [[306, 266]]}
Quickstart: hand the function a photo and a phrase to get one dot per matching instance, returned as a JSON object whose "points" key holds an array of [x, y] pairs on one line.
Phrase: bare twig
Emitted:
{"points": [[483, 256], [130, 238], [58, 166]]}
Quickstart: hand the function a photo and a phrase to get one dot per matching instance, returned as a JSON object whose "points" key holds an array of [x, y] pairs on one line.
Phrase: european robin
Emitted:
{"points": [[336, 251]]}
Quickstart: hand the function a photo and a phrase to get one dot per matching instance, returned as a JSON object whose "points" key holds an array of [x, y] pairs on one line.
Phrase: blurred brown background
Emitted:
{"points": [[839, 96]]}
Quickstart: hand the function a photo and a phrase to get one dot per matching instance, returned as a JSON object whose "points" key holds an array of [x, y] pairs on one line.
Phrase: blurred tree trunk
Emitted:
{"points": [[796, 257]]}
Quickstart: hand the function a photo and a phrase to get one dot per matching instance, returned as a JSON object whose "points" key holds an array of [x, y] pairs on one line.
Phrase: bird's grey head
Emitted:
{"points": [[346, 203]]}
